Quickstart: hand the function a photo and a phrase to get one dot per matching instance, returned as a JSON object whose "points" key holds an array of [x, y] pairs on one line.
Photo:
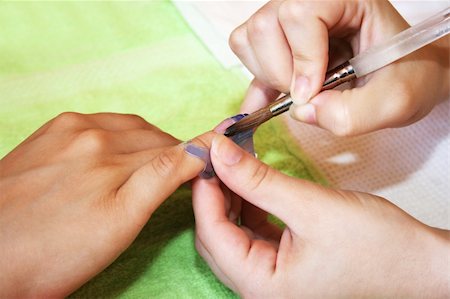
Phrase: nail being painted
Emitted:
{"points": [[203, 154], [243, 139]]}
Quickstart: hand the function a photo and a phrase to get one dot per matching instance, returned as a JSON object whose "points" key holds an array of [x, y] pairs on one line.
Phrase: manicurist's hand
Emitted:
{"points": [[75, 194], [288, 45], [336, 243]]}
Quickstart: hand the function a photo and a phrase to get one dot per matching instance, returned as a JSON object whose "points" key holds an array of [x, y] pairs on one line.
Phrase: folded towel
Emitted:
{"points": [[129, 57]]}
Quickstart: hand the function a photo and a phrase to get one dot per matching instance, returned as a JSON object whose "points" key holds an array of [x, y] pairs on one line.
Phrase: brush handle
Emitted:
{"points": [[402, 44], [334, 77], [381, 55]]}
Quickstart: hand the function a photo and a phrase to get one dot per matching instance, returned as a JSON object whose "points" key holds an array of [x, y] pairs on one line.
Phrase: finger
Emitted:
{"points": [[100, 142], [360, 110], [119, 121], [270, 47], [213, 227], [305, 25], [240, 45], [154, 181], [201, 249], [72, 121], [235, 207], [228, 245], [291, 200], [137, 140], [232, 202], [258, 96]]}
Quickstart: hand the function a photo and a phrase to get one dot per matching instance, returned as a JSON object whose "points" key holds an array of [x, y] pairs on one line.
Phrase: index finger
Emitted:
{"points": [[226, 242], [306, 25]]}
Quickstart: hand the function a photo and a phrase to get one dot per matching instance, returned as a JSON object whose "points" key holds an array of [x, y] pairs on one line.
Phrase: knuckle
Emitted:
{"points": [[308, 62], [291, 11], [91, 140], [342, 129], [343, 124], [139, 120], [261, 176], [164, 163], [204, 140], [68, 120], [259, 24], [238, 40]]}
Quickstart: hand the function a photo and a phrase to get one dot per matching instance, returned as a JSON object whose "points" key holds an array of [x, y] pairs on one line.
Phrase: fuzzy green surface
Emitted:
{"points": [[129, 57]]}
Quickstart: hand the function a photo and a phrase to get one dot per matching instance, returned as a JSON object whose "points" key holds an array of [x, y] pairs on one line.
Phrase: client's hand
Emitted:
{"points": [[76, 193], [336, 243]]}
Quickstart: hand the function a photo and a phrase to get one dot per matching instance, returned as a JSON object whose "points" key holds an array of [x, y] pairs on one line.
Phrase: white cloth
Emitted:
{"points": [[409, 166]]}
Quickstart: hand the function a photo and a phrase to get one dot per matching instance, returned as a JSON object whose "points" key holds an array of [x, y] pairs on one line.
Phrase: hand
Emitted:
{"points": [[76, 193], [286, 45], [336, 243]]}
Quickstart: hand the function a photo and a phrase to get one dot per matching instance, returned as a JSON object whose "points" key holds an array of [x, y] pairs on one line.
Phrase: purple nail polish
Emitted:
{"points": [[238, 117], [243, 139], [221, 128], [203, 154]]}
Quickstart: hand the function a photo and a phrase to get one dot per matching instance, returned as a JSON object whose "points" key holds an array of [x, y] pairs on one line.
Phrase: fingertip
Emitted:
{"points": [[300, 89], [202, 191], [226, 151], [226, 123], [195, 157], [305, 113]]}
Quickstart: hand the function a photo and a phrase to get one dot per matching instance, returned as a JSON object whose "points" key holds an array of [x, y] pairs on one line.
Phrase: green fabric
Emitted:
{"points": [[134, 57]]}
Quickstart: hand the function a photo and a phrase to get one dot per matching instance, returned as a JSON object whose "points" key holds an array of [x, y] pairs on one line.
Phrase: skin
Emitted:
{"points": [[76, 193], [336, 243], [289, 44]]}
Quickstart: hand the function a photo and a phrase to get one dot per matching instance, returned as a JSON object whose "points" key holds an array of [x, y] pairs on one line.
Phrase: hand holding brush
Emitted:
{"points": [[403, 92]]}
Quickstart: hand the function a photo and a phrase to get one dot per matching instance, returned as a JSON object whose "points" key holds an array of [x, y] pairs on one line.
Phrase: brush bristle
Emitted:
{"points": [[249, 122]]}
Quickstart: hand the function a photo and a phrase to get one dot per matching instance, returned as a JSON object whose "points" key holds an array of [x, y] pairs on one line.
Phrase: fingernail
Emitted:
{"points": [[220, 128], [238, 117], [226, 150], [305, 113], [202, 154], [245, 141], [301, 93]]}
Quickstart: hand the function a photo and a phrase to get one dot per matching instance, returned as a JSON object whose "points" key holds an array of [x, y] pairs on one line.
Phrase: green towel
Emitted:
{"points": [[134, 57]]}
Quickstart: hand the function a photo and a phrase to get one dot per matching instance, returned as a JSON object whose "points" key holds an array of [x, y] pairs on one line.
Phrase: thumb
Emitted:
{"points": [[371, 107], [163, 173], [287, 198]]}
